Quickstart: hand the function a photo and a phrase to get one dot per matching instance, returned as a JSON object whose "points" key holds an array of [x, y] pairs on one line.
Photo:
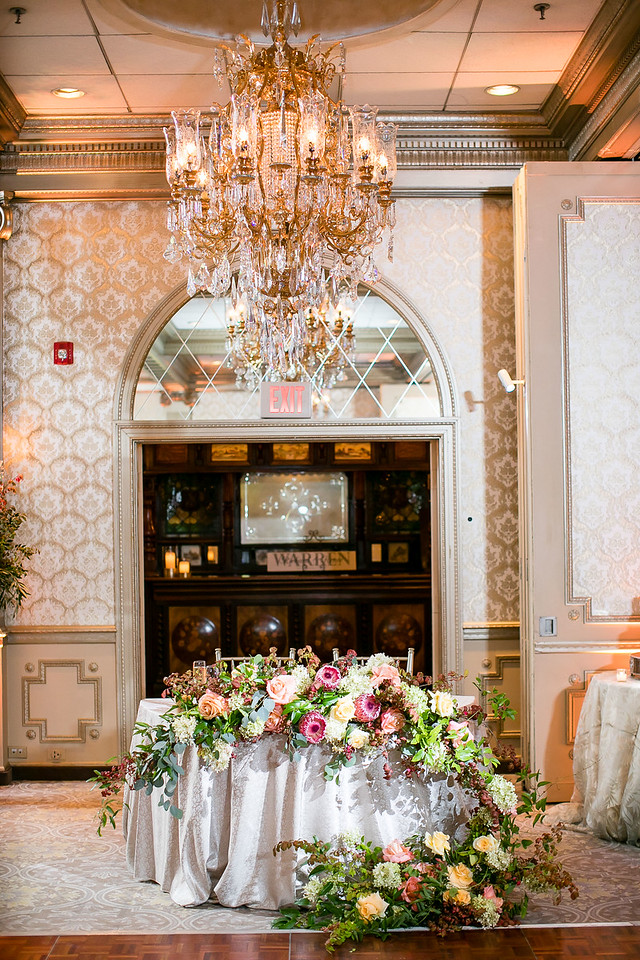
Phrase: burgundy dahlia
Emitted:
{"points": [[328, 676], [367, 708], [312, 726]]}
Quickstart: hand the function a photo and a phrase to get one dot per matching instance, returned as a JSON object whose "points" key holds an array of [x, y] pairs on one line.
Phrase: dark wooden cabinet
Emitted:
{"points": [[288, 544]]}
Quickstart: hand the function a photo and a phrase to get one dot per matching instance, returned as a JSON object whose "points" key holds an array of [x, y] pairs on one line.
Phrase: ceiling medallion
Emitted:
{"points": [[284, 184]]}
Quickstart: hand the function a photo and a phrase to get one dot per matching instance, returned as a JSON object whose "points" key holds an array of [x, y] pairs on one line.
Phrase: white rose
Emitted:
{"points": [[442, 703]]}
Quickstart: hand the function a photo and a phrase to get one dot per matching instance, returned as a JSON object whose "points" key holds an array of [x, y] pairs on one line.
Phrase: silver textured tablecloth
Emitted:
{"points": [[606, 758], [222, 847]]}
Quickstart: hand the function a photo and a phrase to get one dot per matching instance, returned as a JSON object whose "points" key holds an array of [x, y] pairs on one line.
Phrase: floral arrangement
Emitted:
{"points": [[357, 709], [12, 554]]}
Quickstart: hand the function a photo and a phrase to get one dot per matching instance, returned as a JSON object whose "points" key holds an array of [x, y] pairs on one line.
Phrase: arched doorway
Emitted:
{"points": [[177, 388]]}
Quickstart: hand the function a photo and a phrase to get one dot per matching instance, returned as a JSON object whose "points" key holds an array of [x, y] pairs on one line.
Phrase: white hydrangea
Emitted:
{"points": [[303, 680], [217, 757], [348, 839], [183, 728], [387, 875], [357, 681], [335, 730], [311, 889], [416, 697], [486, 911], [377, 660], [236, 702], [254, 728], [503, 794], [499, 859], [435, 757]]}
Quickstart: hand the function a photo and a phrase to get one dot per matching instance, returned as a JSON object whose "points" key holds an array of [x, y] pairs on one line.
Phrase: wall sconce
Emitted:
{"points": [[505, 379]]}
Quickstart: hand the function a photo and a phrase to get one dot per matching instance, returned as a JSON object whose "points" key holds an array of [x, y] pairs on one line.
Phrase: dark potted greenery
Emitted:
{"points": [[12, 555]]}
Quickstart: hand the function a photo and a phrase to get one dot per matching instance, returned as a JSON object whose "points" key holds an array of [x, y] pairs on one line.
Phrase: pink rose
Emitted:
{"points": [[274, 721], [410, 890], [396, 852], [282, 688], [385, 671], [328, 676], [367, 707], [460, 732], [489, 894], [212, 705], [391, 721], [312, 726]]}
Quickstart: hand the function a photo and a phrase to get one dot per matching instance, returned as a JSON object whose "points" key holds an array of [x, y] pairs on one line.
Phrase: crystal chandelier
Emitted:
{"points": [[286, 184], [328, 351]]}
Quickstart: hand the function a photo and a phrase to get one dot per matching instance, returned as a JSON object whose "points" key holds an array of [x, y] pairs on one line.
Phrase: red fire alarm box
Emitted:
{"points": [[63, 352]]}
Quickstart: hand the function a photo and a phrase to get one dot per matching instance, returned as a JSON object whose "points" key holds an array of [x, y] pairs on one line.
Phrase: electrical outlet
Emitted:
{"points": [[17, 753], [56, 755]]}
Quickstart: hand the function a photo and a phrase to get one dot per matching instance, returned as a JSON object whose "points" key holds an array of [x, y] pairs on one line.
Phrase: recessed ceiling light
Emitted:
{"points": [[502, 89], [68, 93]]}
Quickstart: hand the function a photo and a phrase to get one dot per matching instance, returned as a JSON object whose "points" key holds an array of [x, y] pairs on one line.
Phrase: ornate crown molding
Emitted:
{"points": [[115, 157], [12, 115], [607, 49]]}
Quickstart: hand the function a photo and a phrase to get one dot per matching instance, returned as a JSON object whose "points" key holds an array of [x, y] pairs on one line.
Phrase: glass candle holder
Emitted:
{"points": [[200, 670], [170, 563], [184, 568]]}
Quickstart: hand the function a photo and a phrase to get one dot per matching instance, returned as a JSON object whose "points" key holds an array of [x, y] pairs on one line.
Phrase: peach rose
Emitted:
{"points": [[396, 852], [343, 710], [385, 671], [274, 720], [438, 843], [282, 688], [461, 897], [371, 906], [460, 876], [485, 844], [358, 739], [213, 705], [391, 721]]}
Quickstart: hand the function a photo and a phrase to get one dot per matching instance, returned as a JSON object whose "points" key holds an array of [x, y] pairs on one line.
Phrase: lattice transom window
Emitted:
{"points": [[188, 374]]}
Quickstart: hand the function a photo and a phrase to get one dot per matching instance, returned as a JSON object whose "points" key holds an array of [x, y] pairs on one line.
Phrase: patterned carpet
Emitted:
{"points": [[58, 877]]}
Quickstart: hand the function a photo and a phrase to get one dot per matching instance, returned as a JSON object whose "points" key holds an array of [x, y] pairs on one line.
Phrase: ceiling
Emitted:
{"points": [[578, 70]]}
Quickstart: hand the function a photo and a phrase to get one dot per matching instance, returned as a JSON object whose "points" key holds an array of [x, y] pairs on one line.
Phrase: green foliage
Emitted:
{"points": [[12, 555]]}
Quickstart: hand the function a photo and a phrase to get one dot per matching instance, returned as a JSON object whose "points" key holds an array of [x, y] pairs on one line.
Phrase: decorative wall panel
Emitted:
{"points": [[602, 373], [454, 258]]}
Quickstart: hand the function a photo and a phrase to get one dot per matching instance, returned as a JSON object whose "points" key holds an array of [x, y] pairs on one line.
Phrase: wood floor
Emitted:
{"points": [[522, 943]]}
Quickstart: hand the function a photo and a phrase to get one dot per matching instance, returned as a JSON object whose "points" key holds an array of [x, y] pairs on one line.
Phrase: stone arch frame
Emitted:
{"points": [[130, 435]]}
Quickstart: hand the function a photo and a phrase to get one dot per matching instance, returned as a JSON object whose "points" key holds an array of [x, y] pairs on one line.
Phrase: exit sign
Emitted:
{"points": [[285, 400]]}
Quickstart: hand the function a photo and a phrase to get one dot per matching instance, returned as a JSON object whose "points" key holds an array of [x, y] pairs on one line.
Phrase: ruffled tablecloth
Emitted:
{"points": [[606, 758], [222, 848]]}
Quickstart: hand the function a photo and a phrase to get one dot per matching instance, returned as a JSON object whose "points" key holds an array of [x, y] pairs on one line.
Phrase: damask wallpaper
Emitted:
{"points": [[89, 273], [92, 272], [603, 372], [454, 259]]}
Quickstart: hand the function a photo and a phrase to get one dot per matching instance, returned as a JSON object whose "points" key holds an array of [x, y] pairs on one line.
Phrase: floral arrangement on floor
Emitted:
{"points": [[359, 709]]}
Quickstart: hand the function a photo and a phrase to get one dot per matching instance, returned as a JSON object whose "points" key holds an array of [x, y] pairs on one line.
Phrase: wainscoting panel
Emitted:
{"points": [[61, 703]]}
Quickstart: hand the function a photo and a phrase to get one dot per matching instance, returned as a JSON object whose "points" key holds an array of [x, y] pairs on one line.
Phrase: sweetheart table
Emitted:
{"points": [[222, 848]]}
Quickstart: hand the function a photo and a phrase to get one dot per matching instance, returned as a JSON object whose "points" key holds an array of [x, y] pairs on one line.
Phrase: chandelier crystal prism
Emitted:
{"points": [[283, 195]]}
